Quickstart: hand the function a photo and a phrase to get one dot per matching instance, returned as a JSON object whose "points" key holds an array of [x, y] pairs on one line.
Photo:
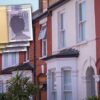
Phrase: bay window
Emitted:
{"points": [[53, 86], [67, 85]]}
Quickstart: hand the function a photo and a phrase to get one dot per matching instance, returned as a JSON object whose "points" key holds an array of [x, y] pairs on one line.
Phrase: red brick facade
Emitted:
{"points": [[22, 57], [0, 62], [39, 62], [97, 24]]}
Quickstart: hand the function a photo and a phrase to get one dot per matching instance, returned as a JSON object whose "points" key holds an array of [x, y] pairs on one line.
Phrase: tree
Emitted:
{"points": [[20, 88]]}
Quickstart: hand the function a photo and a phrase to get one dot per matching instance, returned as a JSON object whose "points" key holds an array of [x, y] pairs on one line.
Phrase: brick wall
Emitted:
{"points": [[39, 50], [0, 62], [97, 23], [22, 57]]}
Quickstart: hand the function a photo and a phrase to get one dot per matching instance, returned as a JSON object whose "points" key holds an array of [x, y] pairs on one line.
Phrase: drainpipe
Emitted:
{"points": [[34, 39], [34, 63]]}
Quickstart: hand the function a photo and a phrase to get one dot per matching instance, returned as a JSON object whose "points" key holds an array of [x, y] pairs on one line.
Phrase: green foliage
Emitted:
{"points": [[94, 98], [2, 96], [19, 88]]}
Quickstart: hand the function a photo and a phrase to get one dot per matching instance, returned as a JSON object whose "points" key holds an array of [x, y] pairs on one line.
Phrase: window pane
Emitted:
{"points": [[5, 59], [62, 21], [54, 96], [82, 11], [61, 31], [62, 40], [42, 34], [13, 58], [67, 95], [1, 86], [82, 31], [67, 80], [53, 81], [44, 47]]}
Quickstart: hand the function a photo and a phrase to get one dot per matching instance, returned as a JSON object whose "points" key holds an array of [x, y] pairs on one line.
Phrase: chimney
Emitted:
{"points": [[43, 5]]}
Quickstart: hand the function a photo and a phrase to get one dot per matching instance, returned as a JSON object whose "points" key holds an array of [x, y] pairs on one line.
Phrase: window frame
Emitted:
{"points": [[43, 40], [4, 58], [1, 86], [53, 90], [10, 59], [44, 48], [61, 30], [63, 83], [43, 27], [81, 36]]}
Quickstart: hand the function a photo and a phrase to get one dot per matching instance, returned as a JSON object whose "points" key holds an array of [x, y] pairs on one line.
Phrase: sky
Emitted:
{"points": [[14, 2]]}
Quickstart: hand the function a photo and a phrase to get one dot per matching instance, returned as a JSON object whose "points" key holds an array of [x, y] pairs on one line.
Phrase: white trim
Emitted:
{"points": [[43, 31], [60, 30], [9, 60], [80, 22], [63, 85], [44, 40], [1, 86], [44, 20], [63, 64]]}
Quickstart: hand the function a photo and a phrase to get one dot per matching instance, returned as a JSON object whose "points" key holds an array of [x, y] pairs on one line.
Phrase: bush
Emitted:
{"points": [[19, 88], [94, 98]]}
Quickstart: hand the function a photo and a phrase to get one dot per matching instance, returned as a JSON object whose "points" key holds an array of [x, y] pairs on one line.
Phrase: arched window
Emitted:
{"points": [[90, 82]]}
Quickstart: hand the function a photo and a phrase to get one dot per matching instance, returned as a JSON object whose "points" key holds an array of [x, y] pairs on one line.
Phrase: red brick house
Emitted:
{"points": [[42, 44], [97, 29]]}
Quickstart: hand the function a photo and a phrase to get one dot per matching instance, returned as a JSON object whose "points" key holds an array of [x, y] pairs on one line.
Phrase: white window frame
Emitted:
{"points": [[64, 90], [13, 58], [7, 85], [1, 86], [43, 40], [9, 60], [5, 60], [44, 48], [61, 31], [43, 29], [81, 36], [53, 85]]}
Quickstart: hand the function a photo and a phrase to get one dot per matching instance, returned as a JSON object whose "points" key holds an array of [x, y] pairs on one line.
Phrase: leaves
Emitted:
{"points": [[19, 88], [94, 98]]}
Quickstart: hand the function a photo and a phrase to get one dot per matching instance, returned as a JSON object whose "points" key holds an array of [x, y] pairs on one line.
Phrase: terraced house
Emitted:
{"points": [[60, 51], [15, 40], [73, 66]]}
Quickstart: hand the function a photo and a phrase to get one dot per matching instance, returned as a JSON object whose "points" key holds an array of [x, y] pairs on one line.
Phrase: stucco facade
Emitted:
{"points": [[87, 48]]}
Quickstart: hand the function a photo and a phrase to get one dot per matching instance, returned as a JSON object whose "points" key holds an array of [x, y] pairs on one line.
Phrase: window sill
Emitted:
{"points": [[60, 49], [42, 57], [81, 43]]}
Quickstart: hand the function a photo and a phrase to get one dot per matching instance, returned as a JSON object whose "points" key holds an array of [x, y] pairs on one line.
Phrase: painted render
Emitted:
{"points": [[86, 58]]}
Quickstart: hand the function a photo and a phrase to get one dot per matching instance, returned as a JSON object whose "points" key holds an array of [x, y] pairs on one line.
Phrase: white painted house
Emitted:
{"points": [[71, 70]]}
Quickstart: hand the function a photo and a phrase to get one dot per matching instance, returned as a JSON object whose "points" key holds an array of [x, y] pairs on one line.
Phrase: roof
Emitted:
{"points": [[38, 14], [57, 4], [25, 66], [66, 53]]}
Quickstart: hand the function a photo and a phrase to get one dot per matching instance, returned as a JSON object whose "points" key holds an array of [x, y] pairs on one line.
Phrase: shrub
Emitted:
{"points": [[19, 88], [94, 98]]}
